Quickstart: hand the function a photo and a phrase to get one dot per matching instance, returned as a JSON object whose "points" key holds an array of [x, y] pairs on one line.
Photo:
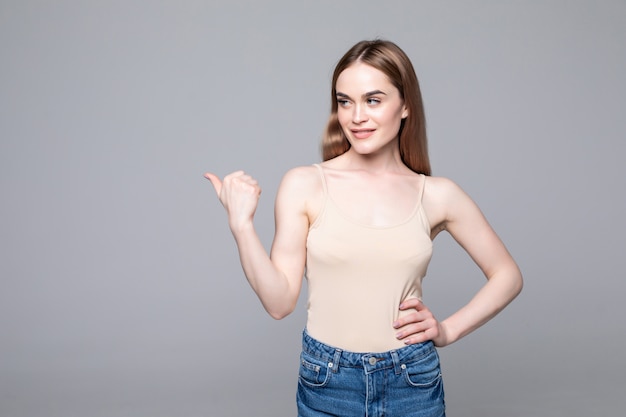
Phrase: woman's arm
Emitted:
{"points": [[276, 279], [453, 210]]}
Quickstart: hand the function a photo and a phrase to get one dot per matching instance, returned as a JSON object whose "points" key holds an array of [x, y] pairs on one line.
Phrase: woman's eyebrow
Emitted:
{"points": [[368, 94], [373, 93]]}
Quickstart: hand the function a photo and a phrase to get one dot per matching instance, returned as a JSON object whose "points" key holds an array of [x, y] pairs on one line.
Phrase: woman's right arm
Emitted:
{"points": [[276, 279]]}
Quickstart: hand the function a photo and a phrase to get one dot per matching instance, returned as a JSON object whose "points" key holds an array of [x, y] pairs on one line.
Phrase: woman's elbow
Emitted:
{"points": [[279, 315], [280, 312], [519, 284], [516, 283]]}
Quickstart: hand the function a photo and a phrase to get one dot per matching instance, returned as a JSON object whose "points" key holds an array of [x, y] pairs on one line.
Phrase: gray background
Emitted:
{"points": [[121, 292]]}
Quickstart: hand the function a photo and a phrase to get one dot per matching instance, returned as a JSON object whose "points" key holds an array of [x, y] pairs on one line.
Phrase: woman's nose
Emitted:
{"points": [[359, 115]]}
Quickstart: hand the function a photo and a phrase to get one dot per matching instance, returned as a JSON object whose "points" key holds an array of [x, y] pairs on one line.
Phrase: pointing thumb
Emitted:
{"points": [[217, 183]]}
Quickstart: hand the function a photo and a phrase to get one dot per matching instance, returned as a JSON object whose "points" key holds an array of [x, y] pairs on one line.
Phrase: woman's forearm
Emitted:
{"points": [[268, 282], [496, 294]]}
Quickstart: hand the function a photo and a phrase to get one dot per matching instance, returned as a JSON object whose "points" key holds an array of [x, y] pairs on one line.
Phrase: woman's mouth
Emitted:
{"points": [[362, 133]]}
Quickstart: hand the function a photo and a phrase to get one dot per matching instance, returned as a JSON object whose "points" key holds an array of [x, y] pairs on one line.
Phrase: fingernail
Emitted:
{"points": [[399, 335], [395, 324]]}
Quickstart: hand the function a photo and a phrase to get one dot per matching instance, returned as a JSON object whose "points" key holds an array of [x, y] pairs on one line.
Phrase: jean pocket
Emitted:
{"points": [[424, 372], [314, 371]]}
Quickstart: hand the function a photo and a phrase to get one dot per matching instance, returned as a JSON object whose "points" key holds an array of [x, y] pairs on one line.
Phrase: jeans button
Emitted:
{"points": [[372, 361]]}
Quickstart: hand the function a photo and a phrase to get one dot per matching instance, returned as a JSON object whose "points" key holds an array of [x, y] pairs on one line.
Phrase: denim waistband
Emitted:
{"points": [[369, 361]]}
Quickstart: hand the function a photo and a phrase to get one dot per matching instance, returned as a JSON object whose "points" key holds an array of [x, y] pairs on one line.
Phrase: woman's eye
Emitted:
{"points": [[342, 102], [373, 101]]}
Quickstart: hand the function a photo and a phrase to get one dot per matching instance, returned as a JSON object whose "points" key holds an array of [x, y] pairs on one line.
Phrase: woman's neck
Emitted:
{"points": [[384, 161]]}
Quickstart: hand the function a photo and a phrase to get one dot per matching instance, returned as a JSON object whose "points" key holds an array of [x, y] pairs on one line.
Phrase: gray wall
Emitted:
{"points": [[120, 288]]}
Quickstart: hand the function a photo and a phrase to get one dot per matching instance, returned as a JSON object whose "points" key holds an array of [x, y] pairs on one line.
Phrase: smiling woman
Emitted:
{"points": [[361, 224], [397, 70], [376, 112]]}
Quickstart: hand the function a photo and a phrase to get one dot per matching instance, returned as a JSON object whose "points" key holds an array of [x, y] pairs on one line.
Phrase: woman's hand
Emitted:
{"points": [[239, 194], [276, 279], [419, 325]]}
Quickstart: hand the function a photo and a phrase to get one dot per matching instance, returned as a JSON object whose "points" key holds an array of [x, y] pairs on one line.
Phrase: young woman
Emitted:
{"points": [[361, 224]]}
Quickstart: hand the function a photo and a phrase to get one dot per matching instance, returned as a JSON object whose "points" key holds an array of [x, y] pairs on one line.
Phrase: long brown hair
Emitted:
{"points": [[388, 58]]}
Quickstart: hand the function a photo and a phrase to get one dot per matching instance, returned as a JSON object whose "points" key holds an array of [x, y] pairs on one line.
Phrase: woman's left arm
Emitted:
{"points": [[453, 210]]}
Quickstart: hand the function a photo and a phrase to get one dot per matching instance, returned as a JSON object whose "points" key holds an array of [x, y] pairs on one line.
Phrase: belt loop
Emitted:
{"points": [[335, 364], [396, 362]]}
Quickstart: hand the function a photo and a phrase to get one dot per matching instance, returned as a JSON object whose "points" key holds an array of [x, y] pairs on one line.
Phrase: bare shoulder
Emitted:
{"points": [[441, 190], [443, 200], [303, 179], [301, 189], [302, 173]]}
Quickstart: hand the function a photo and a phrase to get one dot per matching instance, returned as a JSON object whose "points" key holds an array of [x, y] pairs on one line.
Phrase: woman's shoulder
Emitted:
{"points": [[441, 187], [302, 174], [302, 179], [445, 200], [442, 194], [302, 188]]}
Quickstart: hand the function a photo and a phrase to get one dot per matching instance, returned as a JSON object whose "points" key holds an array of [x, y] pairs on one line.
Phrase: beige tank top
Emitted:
{"points": [[358, 275]]}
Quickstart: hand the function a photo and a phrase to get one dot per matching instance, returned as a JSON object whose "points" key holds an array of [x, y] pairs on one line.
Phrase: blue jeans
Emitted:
{"points": [[405, 382]]}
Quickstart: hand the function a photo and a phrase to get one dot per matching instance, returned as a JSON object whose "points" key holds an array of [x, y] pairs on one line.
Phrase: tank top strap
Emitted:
{"points": [[323, 177], [420, 207], [320, 215], [420, 196]]}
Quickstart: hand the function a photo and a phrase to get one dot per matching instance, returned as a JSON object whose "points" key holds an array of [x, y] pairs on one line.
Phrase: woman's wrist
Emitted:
{"points": [[241, 228], [445, 336]]}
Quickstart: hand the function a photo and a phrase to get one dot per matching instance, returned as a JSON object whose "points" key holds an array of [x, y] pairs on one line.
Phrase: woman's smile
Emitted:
{"points": [[362, 133]]}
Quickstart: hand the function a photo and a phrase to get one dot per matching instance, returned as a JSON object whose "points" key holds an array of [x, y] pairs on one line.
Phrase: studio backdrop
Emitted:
{"points": [[121, 292]]}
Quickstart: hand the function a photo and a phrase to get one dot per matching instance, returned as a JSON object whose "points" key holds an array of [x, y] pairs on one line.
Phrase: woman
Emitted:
{"points": [[362, 223]]}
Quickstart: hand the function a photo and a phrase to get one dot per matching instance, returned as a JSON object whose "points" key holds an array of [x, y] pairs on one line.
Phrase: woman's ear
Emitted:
{"points": [[405, 112]]}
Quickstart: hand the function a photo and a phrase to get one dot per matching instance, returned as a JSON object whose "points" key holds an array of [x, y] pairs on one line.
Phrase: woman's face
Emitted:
{"points": [[369, 108]]}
